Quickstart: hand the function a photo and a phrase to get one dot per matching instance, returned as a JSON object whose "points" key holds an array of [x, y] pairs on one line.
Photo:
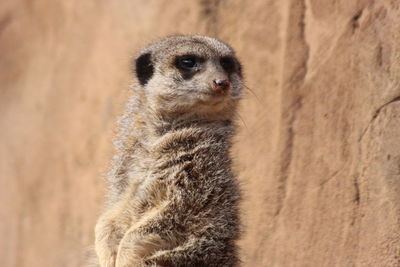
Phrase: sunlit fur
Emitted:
{"points": [[173, 197]]}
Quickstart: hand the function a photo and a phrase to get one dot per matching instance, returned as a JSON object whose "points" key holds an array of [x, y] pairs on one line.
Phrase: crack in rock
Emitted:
{"points": [[334, 175], [376, 114], [287, 157], [355, 20], [296, 75]]}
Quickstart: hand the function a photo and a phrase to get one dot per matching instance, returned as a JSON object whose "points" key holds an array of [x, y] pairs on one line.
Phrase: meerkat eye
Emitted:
{"points": [[228, 64], [187, 62]]}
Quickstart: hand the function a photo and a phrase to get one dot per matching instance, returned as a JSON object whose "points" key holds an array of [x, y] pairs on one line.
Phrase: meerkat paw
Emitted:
{"points": [[107, 238], [195, 253], [106, 256], [108, 260], [135, 247]]}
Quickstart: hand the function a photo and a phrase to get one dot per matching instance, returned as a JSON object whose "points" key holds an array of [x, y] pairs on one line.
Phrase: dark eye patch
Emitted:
{"points": [[144, 68], [228, 64], [239, 68]]}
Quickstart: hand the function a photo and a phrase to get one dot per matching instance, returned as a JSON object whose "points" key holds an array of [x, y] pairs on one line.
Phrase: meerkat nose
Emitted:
{"points": [[221, 85]]}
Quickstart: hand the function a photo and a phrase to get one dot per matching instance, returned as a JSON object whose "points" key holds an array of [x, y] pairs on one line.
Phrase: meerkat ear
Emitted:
{"points": [[144, 68]]}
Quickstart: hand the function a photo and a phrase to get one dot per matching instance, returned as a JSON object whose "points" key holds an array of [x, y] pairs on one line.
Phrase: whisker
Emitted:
{"points": [[242, 120], [253, 93]]}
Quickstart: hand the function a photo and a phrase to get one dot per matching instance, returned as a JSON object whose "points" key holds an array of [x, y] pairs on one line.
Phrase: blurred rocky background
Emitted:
{"points": [[318, 152]]}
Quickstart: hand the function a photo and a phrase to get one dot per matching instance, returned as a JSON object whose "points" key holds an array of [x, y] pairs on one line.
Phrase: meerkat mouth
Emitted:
{"points": [[216, 93], [213, 99]]}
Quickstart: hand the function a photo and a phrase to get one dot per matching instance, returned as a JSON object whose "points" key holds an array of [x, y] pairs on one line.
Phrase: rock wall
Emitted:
{"points": [[318, 151]]}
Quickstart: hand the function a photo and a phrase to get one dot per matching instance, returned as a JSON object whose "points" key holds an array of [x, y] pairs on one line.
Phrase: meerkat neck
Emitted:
{"points": [[157, 127], [147, 125]]}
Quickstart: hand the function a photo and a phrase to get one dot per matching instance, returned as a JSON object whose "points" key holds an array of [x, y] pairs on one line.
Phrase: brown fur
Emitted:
{"points": [[173, 197]]}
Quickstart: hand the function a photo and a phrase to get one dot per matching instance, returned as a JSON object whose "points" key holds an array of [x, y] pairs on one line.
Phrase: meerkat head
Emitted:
{"points": [[193, 75]]}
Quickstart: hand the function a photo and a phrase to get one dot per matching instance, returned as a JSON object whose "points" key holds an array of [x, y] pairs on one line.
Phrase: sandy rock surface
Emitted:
{"points": [[318, 151]]}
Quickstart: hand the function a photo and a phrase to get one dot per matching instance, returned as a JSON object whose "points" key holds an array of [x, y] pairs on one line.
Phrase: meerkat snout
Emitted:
{"points": [[221, 85]]}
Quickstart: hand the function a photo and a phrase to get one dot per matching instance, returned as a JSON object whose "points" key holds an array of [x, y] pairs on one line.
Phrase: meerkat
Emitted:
{"points": [[173, 196]]}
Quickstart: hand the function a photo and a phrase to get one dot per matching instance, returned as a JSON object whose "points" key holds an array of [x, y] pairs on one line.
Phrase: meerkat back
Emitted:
{"points": [[173, 196]]}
